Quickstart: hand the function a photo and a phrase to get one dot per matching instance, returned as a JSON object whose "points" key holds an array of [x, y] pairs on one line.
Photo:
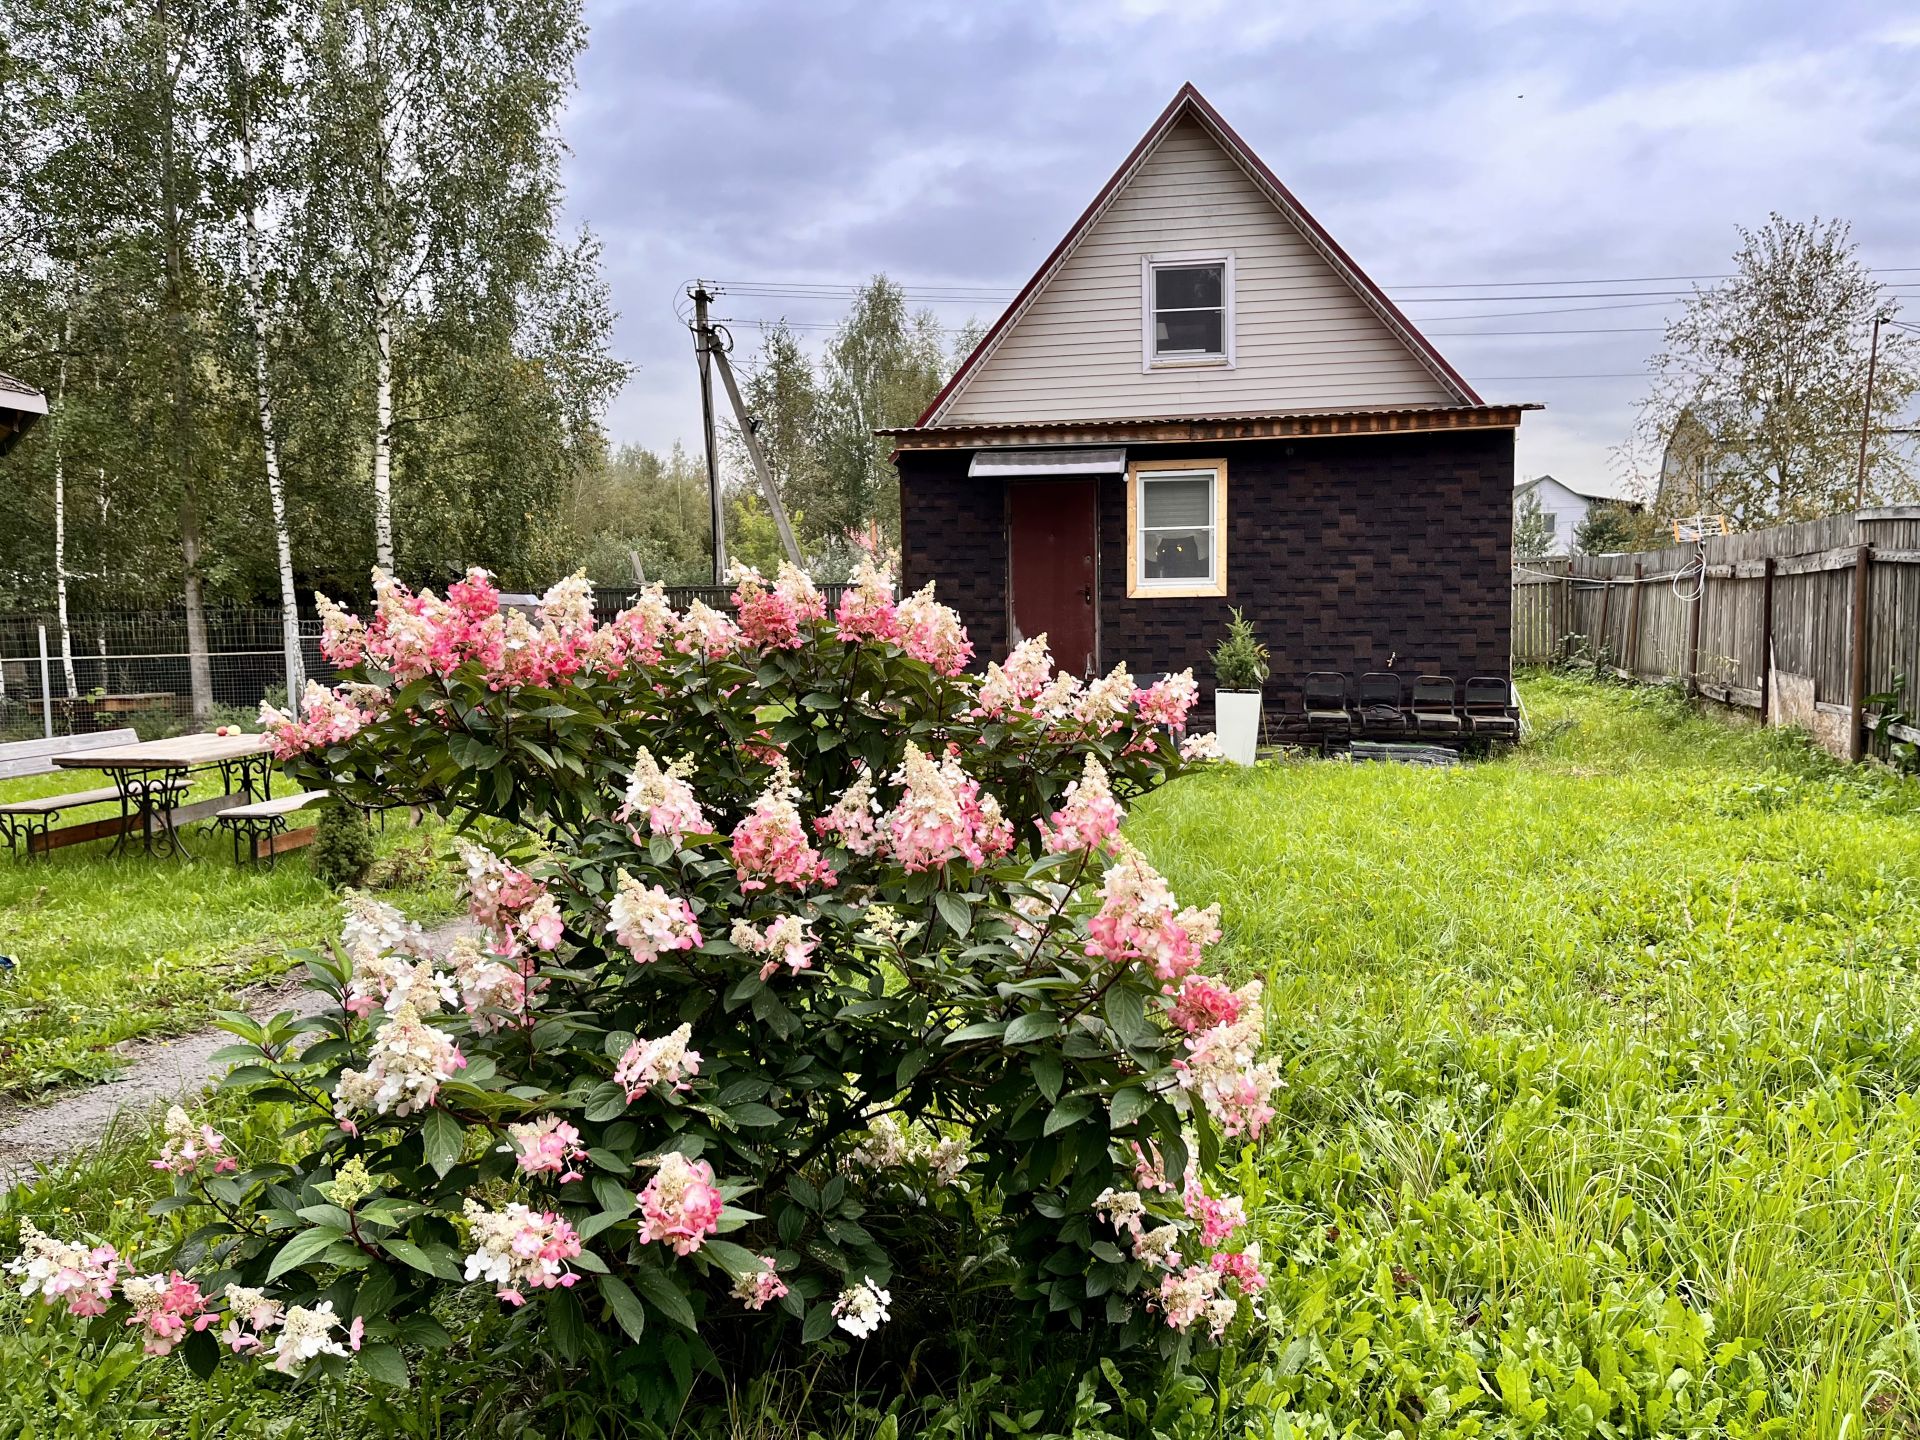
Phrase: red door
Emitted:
{"points": [[1052, 529]]}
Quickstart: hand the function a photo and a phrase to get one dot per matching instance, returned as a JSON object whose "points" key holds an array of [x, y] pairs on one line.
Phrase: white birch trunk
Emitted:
{"points": [[383, 430], [270, 446], [60, 505]]}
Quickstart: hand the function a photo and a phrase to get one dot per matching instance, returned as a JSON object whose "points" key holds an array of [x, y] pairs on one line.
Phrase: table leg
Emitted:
{"points": [[151, 794]]}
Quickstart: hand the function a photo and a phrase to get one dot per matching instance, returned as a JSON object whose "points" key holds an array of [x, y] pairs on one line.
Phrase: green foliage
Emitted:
{"points": [[1613, 527], [1763, 379], [1240, 661], [342, 846], [978, 1017], [1890, 709], [1532, 528]]}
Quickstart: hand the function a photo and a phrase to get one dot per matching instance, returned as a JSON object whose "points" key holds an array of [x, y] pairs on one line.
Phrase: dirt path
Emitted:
{"points": [[158, 1073]]}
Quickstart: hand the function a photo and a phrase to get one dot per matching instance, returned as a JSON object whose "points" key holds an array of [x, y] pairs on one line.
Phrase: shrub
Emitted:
{"points": [[823, 988], [342, 846], [1240, 660]]}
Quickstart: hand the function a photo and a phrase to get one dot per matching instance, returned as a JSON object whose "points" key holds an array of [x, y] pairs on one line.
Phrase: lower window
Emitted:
{"points": [[1177, 528]]}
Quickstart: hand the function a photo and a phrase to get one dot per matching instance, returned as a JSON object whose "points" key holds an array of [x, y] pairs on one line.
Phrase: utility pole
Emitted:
{"points": [[703, 348], [1866, 419], [706, 343]]}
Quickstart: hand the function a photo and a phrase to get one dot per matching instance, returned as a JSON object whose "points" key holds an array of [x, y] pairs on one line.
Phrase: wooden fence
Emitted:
{"points": [[1799, 622]]}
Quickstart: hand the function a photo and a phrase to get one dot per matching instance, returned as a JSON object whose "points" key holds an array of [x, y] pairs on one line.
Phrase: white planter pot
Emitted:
{"points": [[1236, 720]]}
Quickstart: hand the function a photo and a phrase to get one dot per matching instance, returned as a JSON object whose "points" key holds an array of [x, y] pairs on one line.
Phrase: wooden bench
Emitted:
{"points": [[29, 823], [263, 825]]}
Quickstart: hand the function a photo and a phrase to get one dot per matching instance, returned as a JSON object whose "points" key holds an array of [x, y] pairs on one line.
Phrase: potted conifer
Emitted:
{"points": [[1239, 670]]}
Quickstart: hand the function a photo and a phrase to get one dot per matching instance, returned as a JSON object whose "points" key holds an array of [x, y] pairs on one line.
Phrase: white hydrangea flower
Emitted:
{"points": [[862, 1308]]}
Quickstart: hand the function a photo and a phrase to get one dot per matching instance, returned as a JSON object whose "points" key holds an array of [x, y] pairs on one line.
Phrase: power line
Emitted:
{"points": [[1609, 330]]}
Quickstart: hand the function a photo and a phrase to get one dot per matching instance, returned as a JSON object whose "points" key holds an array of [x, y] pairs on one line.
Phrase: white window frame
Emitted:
{"points": [[1181, 260], [1141, 473]]}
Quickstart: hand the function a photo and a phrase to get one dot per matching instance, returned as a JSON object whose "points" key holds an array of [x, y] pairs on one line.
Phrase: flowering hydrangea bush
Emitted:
{"points": [[820, 967]]}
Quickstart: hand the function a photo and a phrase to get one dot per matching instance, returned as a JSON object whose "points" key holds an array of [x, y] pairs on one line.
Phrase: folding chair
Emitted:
{"points": [[1489, 707], [1324, 696], [1432, 710], [1383, 698]]}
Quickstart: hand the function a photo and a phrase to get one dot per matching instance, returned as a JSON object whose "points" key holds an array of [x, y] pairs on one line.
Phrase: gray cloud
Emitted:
{"points": [[954, 143]]}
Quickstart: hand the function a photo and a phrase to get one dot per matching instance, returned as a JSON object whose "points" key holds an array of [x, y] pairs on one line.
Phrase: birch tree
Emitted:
{"points": [[1772, 365], [248, 74], [436, 160]]}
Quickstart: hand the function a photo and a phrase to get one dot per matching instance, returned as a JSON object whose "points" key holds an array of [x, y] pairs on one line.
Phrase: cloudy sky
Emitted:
{"points": [[1510, 165]]}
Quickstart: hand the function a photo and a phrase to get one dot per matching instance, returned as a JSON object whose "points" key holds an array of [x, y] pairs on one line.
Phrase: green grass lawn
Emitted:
{"points": [[108, 949], [1601, 1088], [1600, 1119]]}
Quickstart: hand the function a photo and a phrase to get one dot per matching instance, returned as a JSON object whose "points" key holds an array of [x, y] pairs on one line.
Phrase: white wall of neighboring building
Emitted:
{"points": [[1565, 510]]}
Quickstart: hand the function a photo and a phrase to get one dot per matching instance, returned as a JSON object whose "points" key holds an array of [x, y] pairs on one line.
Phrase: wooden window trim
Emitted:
{"points": [[1138, 589], [1149, 362]]}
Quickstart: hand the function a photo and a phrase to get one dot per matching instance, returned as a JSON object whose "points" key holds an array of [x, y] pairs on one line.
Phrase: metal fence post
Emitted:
{"points": [[46, 686]]}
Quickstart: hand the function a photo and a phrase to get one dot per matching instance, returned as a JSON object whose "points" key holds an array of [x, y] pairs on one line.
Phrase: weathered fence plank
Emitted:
{"points": [[1800, 622]]}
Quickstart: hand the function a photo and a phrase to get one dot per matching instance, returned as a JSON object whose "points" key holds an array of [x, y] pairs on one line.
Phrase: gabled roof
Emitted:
{"points": [[1527, 486], [1189, 103]]}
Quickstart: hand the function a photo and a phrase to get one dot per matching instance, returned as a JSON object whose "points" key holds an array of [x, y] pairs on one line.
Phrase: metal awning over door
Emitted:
{"points": [[1027, 464]]}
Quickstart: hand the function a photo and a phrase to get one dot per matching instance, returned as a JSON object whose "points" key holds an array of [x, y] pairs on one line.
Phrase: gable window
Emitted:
{"points": [[1187, 305], [1177, 528]]}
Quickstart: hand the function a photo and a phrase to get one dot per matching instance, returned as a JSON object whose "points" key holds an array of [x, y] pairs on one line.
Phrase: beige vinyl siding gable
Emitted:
{"points": [[1304, 340]]}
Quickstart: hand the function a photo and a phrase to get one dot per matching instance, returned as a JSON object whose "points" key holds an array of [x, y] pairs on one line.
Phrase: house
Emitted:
{"points": [[1563, 508], [1199, 402], [20, 406]]}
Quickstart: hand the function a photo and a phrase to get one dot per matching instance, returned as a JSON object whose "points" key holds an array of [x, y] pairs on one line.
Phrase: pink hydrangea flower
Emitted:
{"points": [[542, 923], [1220, 1067], [1218, 1219], [1089, 816], [680, 1205], [931, 632], [771, 617], [783, 941], [706, 632], [663, 799], [638, 633], [662, 1063], [1167, 702], [406, 1066], [1138, 921], [343, 639], [492, 991], [547, 1146], [851, 822], [189, 1146], [498, 893], [770, 843], [167, 1306], [1204, 1002], [1241, 1267], [943, 815], [1190, 1294], [649, 921], [1103, 706], [56, 1271], [867, 611], [1007, 688], [325, 719], [755, 1288], [518, 1248]]}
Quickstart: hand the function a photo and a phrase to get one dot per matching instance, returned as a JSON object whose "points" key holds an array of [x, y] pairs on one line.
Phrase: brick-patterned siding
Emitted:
{"points": [[1353, 554]]}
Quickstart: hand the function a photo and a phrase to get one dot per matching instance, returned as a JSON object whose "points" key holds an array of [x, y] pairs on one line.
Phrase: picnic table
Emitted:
{"points": [[150, 774]]}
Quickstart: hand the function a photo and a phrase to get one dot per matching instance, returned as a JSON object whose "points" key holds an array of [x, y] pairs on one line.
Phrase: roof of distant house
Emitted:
{"points": [[1588, 493]]}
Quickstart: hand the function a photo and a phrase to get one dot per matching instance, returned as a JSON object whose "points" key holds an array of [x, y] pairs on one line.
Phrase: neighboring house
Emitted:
{"points": [[1200, 402], [20, 406], [1563, 507]]}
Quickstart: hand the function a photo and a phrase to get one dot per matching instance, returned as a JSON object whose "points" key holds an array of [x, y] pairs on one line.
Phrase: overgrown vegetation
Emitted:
{"points": [[1598, 1122]]}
